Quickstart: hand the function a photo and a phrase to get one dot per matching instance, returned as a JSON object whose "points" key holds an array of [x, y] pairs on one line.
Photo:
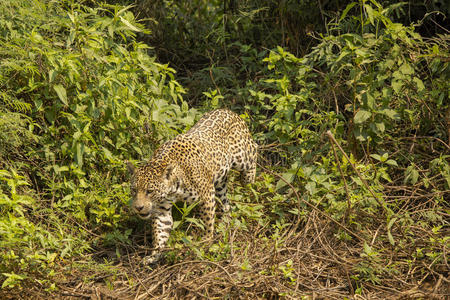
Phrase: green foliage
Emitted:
{"points": [[351, 124], [27, 247], [15, 133], [375, 93], [372, 89], [89, 88], [219, 44], [77, 92]]}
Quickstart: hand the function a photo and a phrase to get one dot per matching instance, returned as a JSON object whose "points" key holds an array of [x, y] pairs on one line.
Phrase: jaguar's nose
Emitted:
{"points": [[138, 207]]}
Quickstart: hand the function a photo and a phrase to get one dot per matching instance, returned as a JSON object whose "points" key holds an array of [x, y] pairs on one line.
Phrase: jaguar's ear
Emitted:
{"points": [[130, 167], [168, 172], [170, 176]]}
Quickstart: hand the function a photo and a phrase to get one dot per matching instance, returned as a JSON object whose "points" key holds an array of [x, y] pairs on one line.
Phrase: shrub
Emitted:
{"points": [[79, 95], [380, 92]]}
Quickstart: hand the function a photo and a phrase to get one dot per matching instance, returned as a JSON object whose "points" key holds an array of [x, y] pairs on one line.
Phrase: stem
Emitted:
{"points": [[333, 140], [299, 199], [361, 13], [349, 205]]}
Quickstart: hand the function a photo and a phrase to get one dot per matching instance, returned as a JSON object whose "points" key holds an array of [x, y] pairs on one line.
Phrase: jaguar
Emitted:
{"points": [[193, 167]]}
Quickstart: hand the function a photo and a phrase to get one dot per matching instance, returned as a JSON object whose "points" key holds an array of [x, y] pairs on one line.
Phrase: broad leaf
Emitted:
{"points": [[362, 116], [62, 94]]}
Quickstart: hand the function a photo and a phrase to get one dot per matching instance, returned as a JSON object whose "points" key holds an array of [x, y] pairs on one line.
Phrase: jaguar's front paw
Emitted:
{"points": [[152, 259], [226, 208]]}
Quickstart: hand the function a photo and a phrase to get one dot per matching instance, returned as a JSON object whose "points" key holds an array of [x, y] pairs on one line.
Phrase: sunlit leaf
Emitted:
{"points": [[362, 116], [129, 25], [62, 94]]}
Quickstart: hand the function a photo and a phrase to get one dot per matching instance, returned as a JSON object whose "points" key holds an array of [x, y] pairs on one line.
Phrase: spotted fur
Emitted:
{"points": [[193, 167]]}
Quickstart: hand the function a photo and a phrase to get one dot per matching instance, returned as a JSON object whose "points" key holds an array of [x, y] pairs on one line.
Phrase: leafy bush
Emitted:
{"points": [[379, 89], [27, 247], [217, 44], [351, 125], [77, 91], [378, 94]]}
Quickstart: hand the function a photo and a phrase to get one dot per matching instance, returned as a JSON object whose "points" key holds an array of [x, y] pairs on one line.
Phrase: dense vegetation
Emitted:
{"points": [[349, 104]]}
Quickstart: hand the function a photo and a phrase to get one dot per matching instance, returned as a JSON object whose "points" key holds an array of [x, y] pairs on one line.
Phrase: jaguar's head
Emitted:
{"points": [[151, 186]]}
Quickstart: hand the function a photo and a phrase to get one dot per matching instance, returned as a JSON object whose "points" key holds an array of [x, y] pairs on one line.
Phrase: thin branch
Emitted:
{"points": [[377, 198], [299, 199]]}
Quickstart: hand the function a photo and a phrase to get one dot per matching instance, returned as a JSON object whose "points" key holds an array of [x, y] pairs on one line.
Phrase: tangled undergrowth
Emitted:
{"points": [[309, 255], [352, 194], [306, 260]]}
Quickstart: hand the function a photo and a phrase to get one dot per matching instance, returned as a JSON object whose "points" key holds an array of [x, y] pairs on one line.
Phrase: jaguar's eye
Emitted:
{"points": [[148, 192]]}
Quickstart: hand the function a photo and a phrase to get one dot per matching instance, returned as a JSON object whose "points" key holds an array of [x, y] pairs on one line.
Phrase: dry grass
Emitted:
{"points": [[323, 267], [311, 258]]}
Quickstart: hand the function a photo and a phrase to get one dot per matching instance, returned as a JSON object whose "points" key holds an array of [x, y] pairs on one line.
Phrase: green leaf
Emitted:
{"points": [[367, 248], [397, 85], [107, 154], [390, 238], [380, 127], [370, 99], [287, 177], [390, 113], [62, 94], [51, 75], [129, 25], [411, 174], [38, 104], [392, 162], [79, 154], [406, 69], [12, 280], [346, 10], [419, 84], [362, 116], [311, 187], [376, 156], [343, 54], [385, 176], [61, 169], [196, 222], [369, 11], [76, 136], [389, 226]]}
